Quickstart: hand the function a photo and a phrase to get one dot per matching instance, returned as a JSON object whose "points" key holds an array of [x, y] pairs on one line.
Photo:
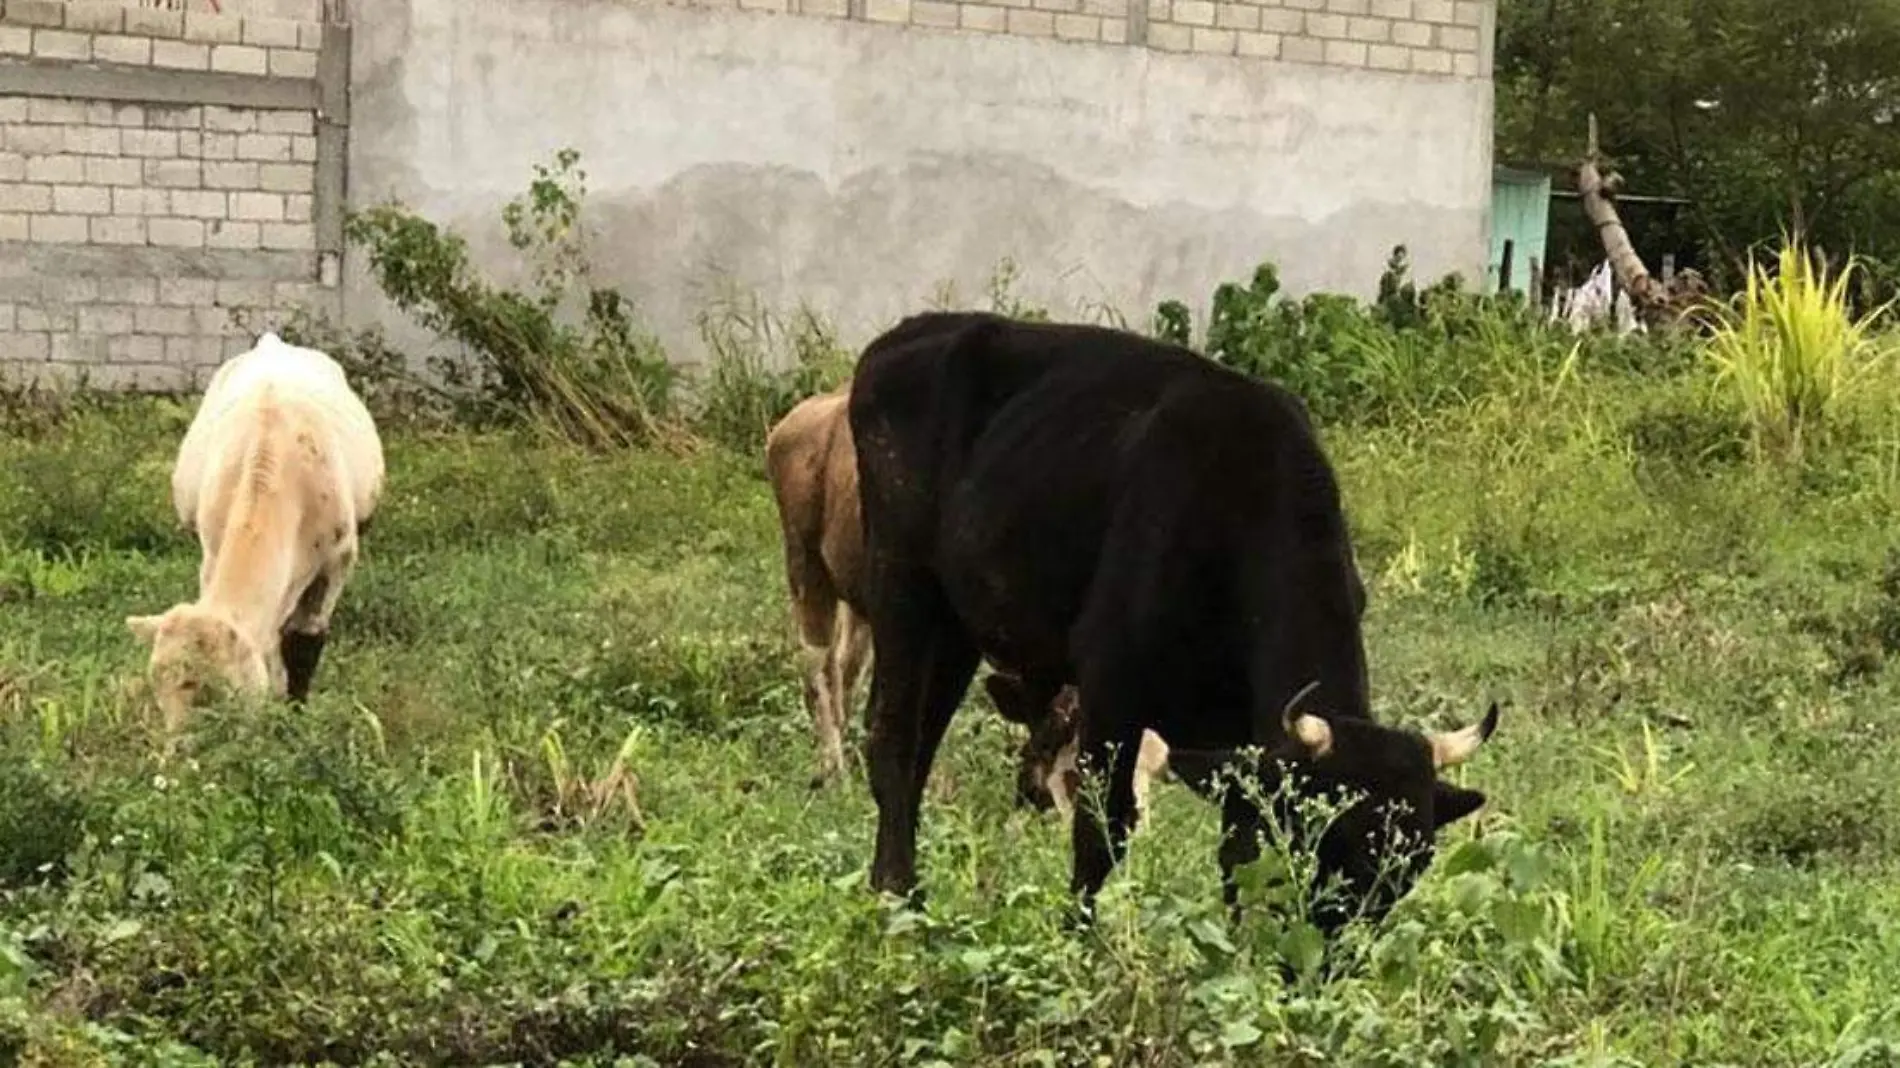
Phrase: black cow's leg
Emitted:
{"points": [[923, 665], [1098, 848]]}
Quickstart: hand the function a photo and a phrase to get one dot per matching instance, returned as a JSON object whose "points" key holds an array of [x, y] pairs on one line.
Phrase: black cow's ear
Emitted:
{"points": [[1453, 803]]}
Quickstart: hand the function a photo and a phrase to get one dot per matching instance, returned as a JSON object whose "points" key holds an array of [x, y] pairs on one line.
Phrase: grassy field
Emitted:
{"points": [[1688, 858]]}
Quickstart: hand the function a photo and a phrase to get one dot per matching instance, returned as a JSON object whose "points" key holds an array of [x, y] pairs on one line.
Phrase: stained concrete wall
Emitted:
{"points": [[859, 154]]}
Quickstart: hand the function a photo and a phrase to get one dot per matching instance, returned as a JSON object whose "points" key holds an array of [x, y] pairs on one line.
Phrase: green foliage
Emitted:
{"points": [[1790, 350], [567, 357]]}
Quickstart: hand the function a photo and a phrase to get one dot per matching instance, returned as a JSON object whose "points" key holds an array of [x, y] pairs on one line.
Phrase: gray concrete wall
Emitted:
{"points": [[859, 154]]}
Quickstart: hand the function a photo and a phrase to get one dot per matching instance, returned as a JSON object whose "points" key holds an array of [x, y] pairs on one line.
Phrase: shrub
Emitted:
{"points": [[1790, 350], [597, 382]]}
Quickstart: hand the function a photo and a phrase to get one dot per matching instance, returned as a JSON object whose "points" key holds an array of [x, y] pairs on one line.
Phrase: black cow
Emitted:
{"points": [[1087, 505]]}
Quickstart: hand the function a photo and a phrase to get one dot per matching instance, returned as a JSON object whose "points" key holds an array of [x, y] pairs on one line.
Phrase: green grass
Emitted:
{"points": [[1689, 856]]}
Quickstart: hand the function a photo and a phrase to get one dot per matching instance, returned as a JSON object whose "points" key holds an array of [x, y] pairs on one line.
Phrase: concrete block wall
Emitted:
{"points": [[159, 178]]}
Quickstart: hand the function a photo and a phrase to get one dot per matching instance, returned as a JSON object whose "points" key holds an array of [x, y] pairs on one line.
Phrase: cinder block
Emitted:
{"points": [[240, 59], [113, 113], [177, 233], [1465, 65], [128, 290], [1392, 9], [298, 207], [12, 167], [218, 146], [982, 17], [887, 10], [82, 200], [25, 348], [824, 9], [1213, 42], [122, 172], [1258, 45], [1237, 17], [934, 13], [105, 319], [1468, 13], [173, 173], [62, 44], [1432, 10], [277, 121], [264, 148], [1078, 28], [93, 140], [12, 109], [243, 293], [1412, 34], [1302, 50], [1348, 7], [36, 140], [233, 175], [1115, 31], [1057, 7], [191, 144], [56, 170], [779, 7], [135, 349], [141, 201], [117, 230], [96, 16], [13, 227], [1194, 12], [6, 317], [1370, 30], [266, 32], [1031, 23], [1326, 27], [310, 35], [188, 292], [181, 55], [1170, 37], [1457, 39], [1281, 21], [172, 321], [213, 28], [131, 51], [1430, 61], [55, 110], [155, 22], [58, 229], [230, 120], [1107, 9], [258, 207], [1160, 11], [291, 63], [234, 235], [46, 317], [1306, 5], [173, 117], [80, 349], [16, 197], [72, 290], [200, 204], [36, 12], [16, 41], [303, 149], [149, 144], [296, 237], [1346, 53], [1387, 57]]}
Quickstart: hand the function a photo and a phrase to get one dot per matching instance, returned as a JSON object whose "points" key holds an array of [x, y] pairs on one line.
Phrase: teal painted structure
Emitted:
{"points": [[1520, 215]]}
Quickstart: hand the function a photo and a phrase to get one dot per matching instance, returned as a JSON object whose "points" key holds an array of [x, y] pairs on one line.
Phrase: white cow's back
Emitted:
{"points": [[303, 377]]}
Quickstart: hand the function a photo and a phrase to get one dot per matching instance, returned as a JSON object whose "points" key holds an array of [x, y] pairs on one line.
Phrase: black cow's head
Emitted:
{"points": [[1384, 840], [1051, 723]]}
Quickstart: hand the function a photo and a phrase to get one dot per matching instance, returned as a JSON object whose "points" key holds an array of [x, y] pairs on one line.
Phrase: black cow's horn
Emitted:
{"points": [[1451, 748]]}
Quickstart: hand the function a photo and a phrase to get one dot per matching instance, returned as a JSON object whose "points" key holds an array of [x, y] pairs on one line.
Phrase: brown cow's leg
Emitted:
{"points": [[820, 620]]}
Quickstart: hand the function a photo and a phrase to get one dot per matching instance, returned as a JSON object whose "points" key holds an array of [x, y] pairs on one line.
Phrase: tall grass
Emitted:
{"points": [[1789, 348]]}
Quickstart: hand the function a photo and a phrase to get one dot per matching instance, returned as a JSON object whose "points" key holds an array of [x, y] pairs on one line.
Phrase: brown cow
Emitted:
{"points": [[814, 474]]}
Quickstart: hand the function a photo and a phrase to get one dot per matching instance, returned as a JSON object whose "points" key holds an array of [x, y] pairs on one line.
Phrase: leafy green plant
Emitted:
{"points": [[568, 357], [1789, 348]]}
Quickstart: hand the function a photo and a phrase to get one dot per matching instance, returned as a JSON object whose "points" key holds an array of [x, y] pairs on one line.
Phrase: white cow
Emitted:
{"points": [[278, 475]]}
